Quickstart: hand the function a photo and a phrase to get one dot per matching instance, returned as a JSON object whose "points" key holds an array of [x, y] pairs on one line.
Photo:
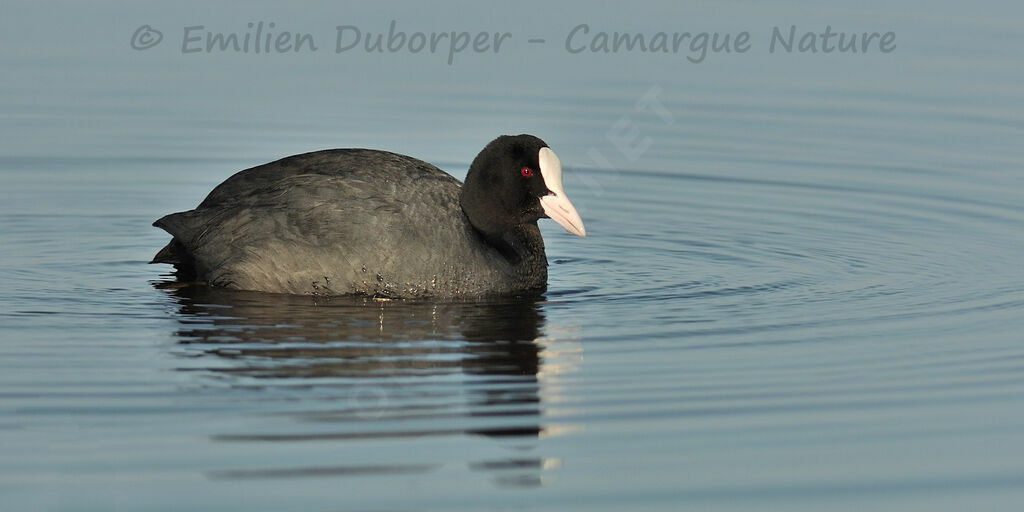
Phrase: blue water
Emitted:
{"points": [[801, 287]]}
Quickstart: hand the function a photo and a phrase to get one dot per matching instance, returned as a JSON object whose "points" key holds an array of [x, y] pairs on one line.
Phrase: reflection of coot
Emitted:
{"points": [[503, 336], [357, 338], [381, 369], [503, 346], [229, 315], [330, 337]]}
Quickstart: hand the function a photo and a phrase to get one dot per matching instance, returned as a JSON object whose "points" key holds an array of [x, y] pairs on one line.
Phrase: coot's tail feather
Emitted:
{"points": [[180, 226], [169, 254], [176, 254]]}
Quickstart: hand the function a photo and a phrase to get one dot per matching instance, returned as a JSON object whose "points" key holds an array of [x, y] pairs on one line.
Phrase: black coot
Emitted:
{"points": [[359, 221]]}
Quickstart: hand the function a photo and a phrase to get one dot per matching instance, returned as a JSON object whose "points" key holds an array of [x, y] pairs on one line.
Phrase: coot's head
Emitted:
{"points": [[516, 180]]}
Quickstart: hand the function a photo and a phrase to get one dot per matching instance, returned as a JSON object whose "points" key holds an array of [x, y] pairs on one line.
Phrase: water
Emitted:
{"points": [[801, 287]]}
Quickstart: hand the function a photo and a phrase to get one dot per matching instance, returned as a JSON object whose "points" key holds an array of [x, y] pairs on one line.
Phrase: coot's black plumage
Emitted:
{"points": [[359, 221]]}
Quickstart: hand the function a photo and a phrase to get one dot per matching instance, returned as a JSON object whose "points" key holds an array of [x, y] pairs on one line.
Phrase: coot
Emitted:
{"points": [[360, 221]]}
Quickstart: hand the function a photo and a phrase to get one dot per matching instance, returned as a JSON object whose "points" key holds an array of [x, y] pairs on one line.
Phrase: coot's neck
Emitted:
{"points": [[523, 249], [521, 244], [517, 241]]}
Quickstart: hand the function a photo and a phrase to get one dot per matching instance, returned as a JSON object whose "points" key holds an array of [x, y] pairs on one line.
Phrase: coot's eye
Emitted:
{"points": [[526, 172]]}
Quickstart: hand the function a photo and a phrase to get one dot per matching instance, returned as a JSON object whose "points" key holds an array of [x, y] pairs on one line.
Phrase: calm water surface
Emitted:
{"points": [[801, 287]]}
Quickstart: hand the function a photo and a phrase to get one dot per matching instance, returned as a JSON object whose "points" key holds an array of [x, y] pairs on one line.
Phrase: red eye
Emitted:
{"points": [[526, 172]]}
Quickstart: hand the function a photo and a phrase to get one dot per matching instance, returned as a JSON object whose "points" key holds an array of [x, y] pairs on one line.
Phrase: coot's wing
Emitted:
{"points": [[252, 184], [377, 221]]}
